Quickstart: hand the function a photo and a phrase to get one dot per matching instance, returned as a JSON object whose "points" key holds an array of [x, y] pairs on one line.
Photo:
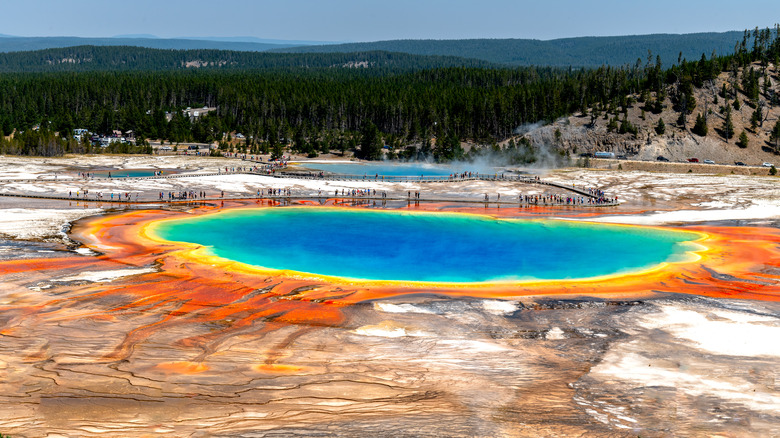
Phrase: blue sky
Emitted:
{"points": [[369, 20]]}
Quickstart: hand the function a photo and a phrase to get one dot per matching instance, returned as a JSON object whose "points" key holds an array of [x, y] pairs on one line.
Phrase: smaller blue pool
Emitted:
{"points": [[393, 169], [131, 173]]}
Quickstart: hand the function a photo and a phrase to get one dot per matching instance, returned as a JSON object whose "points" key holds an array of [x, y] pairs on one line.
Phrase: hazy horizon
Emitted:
{"points": [[360, 21], [244, 38]]}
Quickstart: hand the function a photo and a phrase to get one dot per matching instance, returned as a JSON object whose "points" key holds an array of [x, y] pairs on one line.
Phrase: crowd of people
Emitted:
{"points": [[555, 199], [99, 196], [184, 194], [598, 197], [589, 196]]}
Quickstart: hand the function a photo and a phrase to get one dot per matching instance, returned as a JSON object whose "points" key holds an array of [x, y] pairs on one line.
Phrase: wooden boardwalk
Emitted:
{"points": [[323, 199], [327, 177]]}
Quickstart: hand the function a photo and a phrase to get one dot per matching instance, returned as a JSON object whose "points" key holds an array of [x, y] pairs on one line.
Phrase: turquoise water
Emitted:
{"points": [[391, 169], [129, 173], [380, 245]]}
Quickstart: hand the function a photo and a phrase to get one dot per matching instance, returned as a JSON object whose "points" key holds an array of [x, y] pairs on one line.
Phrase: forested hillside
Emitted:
{"points": [[725, 110], [464, 102], [101, 58], [576, 52], [315, 109]]}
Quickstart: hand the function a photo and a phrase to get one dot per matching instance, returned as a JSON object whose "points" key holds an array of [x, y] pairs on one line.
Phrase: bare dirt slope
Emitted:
{"points": [[678, 143]]}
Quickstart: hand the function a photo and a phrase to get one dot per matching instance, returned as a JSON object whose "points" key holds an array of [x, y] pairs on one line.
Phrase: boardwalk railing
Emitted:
{"points": [[432, 179], [276, 173], [287, 198]]}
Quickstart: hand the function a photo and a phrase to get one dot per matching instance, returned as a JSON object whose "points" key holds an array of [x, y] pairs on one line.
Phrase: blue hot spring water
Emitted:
{"points": [[429, 247], [130, 173], [390, 169]]}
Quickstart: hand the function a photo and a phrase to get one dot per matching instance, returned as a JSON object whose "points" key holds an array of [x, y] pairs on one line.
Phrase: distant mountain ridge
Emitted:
{"points": [[22, 44], [575, 52], [248, 39], [124, 58], [137, 35]]}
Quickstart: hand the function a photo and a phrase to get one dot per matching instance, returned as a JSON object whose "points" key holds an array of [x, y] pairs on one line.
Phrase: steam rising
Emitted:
{"points": [[532, 148], [527, 128]]}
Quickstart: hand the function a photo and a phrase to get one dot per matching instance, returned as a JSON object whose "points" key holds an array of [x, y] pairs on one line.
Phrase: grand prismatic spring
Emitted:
{"points": [[321, 315], [427, 247]]}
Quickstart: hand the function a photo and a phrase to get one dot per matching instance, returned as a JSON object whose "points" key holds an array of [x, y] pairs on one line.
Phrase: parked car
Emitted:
{"points": [[765, 164], [708, 162], [662, 158], [622, 157], [693, 160], [739, 163]]}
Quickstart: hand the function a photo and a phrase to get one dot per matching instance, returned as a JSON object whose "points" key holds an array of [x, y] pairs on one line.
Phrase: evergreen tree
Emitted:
{"points": [[756, 118], [627, 127], [657, 106], [299, 142], [767, 84], [594, 115], [370, 143], [425, 150], [775, 135], [700, 128], [681, 120], [743, 140], [277, 151], [450, 149], [342, 146], [728, 126], [750, 84], [612, 126], [660, 128], [660, 98]]}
